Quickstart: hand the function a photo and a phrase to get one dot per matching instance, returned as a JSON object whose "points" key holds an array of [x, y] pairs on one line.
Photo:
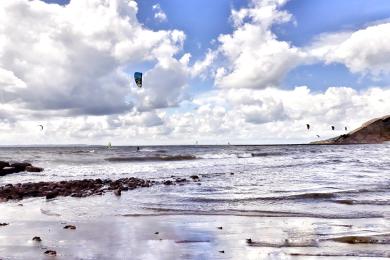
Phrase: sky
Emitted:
{"points": [[237, 71]]}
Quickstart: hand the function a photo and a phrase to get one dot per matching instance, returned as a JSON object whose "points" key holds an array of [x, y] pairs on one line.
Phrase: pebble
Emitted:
{"points": [[70, 227], [50, 252], [37, 239]]}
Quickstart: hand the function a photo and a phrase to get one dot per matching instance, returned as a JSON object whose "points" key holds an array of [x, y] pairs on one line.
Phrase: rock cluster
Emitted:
{"points": [[78, 188], [9, 168], [73, 188]]}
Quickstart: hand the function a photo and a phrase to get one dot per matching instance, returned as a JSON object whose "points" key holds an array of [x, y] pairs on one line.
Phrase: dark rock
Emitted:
{"points": [[195, 177], [70, 227], [37, 239], [34, 169], [20, 166], [52, 195], [76, 195], [3, 164], [181, 180], [168, 182], [50, 252], [8, 170], [118, 192]]}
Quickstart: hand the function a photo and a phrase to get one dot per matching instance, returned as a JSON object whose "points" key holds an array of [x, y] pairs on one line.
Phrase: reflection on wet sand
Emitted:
{"points": [[192, 237]]}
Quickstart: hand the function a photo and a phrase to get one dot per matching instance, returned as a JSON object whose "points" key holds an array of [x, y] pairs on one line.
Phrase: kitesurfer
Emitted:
{"points": [[138, 79]]}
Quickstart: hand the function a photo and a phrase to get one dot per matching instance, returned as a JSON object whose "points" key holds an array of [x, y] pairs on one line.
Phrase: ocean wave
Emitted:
{"points": [[152, 150], [151, 158], [265, 154], [331, 196], [323, 195], [362, 202], [224, 155], [77, 152], [249, 213]]}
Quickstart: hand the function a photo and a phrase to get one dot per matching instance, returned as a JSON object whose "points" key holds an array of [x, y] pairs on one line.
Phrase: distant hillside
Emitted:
{"points": [[372, 132]]}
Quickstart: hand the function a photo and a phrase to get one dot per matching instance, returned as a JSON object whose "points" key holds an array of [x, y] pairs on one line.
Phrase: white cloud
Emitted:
{"points": [[68, 68], [364, 51], [275, 115], [159, 14], [240, 116], [73, 58], [200, 67], [255, 57]]}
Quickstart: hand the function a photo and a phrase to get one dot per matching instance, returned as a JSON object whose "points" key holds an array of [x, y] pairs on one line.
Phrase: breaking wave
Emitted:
{"points": [[151, 158]]}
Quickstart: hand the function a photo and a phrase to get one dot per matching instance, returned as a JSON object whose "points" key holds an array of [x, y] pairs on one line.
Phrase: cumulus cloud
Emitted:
{"points": [[255, 58], [69, 68], [277, 115], [240, 116], [159, 14], [364, 51], [73, 58]]}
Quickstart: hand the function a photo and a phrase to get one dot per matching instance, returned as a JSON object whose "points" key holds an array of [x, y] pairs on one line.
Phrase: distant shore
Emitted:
{"points": [[375, 131]]}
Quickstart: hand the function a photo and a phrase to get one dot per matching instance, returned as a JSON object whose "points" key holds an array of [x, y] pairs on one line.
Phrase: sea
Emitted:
{"points": [[331, 181], [288, 201]]}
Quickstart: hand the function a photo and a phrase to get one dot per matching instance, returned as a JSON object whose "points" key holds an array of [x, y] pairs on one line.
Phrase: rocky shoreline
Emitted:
{"points": [[79, 188], [15, 167]]}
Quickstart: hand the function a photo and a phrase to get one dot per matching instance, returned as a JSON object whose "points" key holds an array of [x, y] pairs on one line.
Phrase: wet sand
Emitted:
{"points": [[187, 236]]}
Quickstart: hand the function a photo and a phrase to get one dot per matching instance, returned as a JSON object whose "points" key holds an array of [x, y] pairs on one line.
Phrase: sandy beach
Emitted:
{"points": [[183, 235]]}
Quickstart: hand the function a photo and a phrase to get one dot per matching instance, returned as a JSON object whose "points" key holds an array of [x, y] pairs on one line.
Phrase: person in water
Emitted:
{"points": [[137, 148]]}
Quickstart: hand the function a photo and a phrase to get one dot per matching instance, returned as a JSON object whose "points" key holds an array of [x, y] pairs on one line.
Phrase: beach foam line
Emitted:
{"points": [[265, 154], [248, 213], [151, 158], [362, 202], [300, 196]]}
